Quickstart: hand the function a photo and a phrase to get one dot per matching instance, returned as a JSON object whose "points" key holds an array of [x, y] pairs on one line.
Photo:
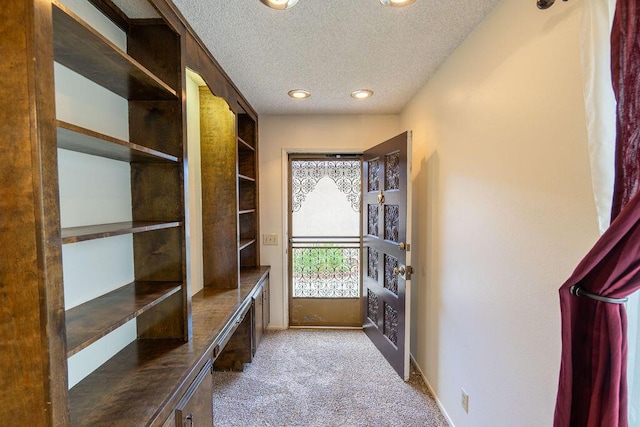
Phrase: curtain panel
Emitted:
{"points": [[592, 387], [625, 72]]}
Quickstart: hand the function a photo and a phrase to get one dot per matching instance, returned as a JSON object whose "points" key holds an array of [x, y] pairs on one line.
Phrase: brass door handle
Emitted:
{"points": [[381, 197], [402, 246], [399, 271]]}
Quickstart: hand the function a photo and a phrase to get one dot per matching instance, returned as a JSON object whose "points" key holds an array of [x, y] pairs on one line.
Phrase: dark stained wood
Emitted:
{"points": [[248, 187], [394, 352], [239, 349], [243, 145], [219, 206], [246, 162], [158, 125], [201, 61], [79, 47], [112, 12], [100, 231], [247, 190], [143, 384], [30, 255], [158, 255], [195, 407], [247, 225], [165, 320], [258, 317], [244, 243], [247, 129], [145, 381], [156, 192], [248, 255], [266, 297], [157, 48], [94, 319], [76, 138]]}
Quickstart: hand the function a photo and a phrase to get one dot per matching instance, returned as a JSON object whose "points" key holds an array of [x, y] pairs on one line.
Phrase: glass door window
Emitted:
{"points": [[324, 250]]}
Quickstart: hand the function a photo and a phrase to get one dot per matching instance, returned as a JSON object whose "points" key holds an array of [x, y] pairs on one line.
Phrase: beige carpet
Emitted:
{"points": [[321, 378]]}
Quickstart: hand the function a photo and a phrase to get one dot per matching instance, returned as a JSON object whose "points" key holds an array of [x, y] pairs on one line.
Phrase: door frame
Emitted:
{"points": [[284, 160]]}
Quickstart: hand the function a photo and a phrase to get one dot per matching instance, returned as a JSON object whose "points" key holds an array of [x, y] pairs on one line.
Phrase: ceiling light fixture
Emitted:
{"points": [[362, 93], [397, 2], [299, 94], [280, 4]]}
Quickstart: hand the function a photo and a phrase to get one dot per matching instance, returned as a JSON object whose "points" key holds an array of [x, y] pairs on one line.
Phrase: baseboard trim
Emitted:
{"points": [[435, 396]]}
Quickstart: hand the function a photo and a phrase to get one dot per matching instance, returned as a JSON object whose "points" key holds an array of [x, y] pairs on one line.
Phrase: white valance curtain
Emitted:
{"points": [[600, 104]]}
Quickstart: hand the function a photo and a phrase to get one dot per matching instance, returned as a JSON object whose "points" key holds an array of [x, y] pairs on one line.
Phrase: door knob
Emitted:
{"points": [[402, 246], [399, 271]]}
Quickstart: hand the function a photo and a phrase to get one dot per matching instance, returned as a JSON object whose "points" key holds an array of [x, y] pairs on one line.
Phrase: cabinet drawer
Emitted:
{"points": [[196, 406]]}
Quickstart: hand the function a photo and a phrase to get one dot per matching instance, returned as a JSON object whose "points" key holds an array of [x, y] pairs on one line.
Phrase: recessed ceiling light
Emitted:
{"points": [[397, 2], [299, 94], [362, 93], [280, 4]]}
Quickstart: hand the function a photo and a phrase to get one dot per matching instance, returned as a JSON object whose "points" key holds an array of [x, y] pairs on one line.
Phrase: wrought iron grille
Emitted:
{"points": [[325, 270]]}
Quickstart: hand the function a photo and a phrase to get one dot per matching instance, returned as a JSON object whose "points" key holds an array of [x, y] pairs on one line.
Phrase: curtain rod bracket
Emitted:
{"points": [[545, 4], [579, 292]]}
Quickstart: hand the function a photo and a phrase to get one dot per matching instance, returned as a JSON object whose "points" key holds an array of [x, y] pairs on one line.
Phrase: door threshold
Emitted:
{"points": [[327, 327]]}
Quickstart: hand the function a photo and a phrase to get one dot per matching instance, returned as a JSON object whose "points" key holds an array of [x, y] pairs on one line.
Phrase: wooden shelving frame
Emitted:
{"points": [[177, 335], [94, 319], [81, 48]]}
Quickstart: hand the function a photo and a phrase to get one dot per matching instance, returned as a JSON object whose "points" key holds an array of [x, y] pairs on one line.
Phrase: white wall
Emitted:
{"points": [[504, 211], [282, 134]]}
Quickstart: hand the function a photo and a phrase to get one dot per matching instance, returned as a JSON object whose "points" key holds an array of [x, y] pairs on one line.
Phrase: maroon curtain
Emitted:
{"points": [[592, 389], [625, 73]]}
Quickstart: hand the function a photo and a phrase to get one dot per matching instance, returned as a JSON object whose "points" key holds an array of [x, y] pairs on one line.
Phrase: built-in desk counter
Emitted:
{"points": [[145, 382]]}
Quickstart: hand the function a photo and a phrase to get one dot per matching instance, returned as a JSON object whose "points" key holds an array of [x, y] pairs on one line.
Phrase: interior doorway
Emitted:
{"points": [[325, 240]]}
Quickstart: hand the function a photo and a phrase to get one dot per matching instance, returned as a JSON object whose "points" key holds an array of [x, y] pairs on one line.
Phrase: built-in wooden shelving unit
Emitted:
{"points": [[81, 48], [178, 337], [94, 319], [81, 140], [101, 231]]}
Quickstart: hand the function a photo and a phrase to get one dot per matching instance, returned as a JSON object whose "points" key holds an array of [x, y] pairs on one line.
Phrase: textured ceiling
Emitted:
{"points": [[331, 48]]}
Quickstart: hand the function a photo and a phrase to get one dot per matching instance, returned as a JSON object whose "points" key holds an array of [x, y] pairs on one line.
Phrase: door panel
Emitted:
{"points": [[386, 256]]}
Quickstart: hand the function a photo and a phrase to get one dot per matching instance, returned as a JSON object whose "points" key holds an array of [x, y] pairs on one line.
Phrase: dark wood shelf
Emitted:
{"points": [[100, 231], [145, 380], [76, 138], [93, 320], [246, 211], [245, 243], [82, 49], [244, 145], [246, 178]]}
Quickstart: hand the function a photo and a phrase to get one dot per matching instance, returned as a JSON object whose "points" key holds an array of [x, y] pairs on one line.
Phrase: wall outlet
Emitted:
{"points": [[465, 401], [270, 239]]}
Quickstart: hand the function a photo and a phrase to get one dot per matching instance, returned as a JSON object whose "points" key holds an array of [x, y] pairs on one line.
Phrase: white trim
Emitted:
{"points": [[435, 396], [408, 255], [285, 237]]}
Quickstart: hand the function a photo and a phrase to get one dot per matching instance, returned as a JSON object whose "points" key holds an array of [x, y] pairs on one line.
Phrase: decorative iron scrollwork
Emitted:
{"points": [[305, 175]]}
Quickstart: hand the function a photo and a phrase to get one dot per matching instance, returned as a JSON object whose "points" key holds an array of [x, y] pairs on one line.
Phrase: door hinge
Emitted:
{"points": [[409, 272]]}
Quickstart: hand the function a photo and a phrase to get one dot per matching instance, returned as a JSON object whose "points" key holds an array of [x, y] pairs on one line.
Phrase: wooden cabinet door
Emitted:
{"points": [[258, 317], [266, 306], [196, 406]]}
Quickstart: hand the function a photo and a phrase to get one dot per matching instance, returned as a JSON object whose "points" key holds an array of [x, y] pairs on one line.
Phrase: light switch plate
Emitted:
{"points": [[270, 239]]}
